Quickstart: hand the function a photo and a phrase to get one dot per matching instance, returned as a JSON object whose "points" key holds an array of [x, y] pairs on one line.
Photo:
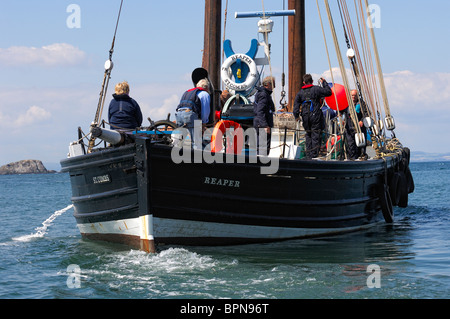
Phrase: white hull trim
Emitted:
{"points": [[134, 231], [146, 229]]}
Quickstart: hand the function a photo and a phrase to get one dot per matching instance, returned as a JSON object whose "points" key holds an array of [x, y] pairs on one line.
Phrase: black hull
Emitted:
{"points": [[104, 185], [317, 197]]}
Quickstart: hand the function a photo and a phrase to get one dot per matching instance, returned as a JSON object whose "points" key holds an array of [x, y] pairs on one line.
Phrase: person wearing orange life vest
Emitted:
{"points": [[194, 105]]}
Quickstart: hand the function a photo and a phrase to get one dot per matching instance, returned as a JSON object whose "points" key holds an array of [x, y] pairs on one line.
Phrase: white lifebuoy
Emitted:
{"points": [[226, 75]]}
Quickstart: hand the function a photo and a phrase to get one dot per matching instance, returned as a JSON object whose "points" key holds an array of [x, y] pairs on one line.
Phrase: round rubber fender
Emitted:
{"points": [[403, 163], [386, 204], [403, 190], [407, 154], [409, 180], [394, 191]]}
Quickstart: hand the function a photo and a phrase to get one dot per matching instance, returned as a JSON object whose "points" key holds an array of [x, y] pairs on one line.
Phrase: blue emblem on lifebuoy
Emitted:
{"points": [[242, 67], [240, 70]]}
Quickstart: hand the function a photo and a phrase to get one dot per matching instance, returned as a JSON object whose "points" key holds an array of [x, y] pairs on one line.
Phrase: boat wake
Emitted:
{"points": [[174, 272], [42, 230]]}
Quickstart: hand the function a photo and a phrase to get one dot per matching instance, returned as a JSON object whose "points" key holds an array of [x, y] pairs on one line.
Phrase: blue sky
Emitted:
{"points": [[51, 74]]}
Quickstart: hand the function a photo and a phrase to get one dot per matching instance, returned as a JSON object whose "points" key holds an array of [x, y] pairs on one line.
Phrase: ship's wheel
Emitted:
{"points": [[162, 130], [162, 126]]}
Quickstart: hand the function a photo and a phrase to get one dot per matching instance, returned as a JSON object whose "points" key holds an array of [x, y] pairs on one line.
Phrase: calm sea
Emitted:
{"points": [[39, 241]]}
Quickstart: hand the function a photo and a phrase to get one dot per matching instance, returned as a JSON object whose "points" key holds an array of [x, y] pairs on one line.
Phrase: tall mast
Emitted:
{"points": [[212, 44], [297, 49]]}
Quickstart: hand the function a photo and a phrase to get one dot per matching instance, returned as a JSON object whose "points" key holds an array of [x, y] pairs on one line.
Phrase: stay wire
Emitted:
{"points": [[105, 83]]}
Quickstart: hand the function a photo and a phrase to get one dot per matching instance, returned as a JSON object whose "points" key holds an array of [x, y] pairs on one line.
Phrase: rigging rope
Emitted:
{"points": [[378, 63], [341, 129], [224, 33], [106, 78], [366, 87], [352, 45], [266, 39], [368, 62], [351, 106], [283, 101]]}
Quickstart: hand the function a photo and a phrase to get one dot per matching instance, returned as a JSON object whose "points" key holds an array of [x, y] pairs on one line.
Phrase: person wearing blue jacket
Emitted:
{"points": [[124, 112], [263, 109]]}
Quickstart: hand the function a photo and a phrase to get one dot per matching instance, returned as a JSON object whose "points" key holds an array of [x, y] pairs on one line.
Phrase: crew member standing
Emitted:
{"points": [[194, 105], [353, 150], [263, 109], [308, 102]]}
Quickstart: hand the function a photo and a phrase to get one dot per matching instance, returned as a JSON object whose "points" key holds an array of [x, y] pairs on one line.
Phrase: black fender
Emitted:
{"points": [[394, 190], [403, 190], [386, 204]]}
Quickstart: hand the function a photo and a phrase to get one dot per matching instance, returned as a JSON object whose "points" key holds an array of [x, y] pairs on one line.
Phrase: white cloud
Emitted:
{"points": [[431, 90], [418, 102], [48, 56], [169, 105], [33, 115], [407, 90], [158, 100], [335, 74]]}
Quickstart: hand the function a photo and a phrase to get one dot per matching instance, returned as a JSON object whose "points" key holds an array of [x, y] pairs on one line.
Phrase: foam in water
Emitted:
{"points": [[41, 231]]}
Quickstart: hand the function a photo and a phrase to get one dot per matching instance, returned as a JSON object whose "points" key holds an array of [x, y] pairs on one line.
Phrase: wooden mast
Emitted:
{"points": [[297, 49], [212, 47]]}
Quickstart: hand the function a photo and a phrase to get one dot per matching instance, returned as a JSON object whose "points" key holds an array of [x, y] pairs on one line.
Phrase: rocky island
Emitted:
{"points": [[24, 167]]}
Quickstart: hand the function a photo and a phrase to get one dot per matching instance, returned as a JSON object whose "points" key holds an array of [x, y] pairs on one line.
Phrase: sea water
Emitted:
{"points": [[42, 254]]}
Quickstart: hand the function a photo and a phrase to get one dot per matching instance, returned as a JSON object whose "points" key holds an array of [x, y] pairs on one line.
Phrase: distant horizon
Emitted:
{"points": [[428, 157]]}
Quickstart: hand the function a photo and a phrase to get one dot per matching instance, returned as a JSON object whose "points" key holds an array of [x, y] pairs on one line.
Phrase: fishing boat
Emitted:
{"points": [[149, 187]]}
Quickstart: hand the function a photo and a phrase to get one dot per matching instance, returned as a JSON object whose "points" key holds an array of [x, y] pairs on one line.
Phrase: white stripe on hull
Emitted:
{"points": [[130, 227], [133, 231]]}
